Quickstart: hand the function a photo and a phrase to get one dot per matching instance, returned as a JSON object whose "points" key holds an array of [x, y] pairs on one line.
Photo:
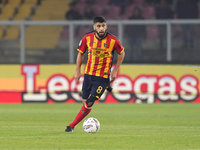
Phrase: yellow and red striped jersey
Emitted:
{"points": [[100, 53]]}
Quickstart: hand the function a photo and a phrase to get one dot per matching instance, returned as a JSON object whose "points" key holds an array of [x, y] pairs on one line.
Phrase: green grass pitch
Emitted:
{"points": [[124, 126]]}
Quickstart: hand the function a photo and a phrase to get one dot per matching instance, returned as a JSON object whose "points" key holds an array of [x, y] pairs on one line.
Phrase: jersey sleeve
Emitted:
{"points": [[82, 45], [118, 47]]}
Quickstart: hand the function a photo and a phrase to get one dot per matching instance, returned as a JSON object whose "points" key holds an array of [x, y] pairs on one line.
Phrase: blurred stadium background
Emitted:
{"points": [[152, 32], [26, 37]]}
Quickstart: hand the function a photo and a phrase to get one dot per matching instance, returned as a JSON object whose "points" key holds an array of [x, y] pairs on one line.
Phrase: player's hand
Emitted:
{"points": [[109, 88], [77, 76], [113, 75]]}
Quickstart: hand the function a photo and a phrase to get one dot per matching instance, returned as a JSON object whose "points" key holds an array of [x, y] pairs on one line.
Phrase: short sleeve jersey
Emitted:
{"points": [[100, 53]]}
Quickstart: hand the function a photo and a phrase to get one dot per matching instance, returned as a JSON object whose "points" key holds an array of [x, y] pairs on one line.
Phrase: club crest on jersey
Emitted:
{"points": [[105, 45]]}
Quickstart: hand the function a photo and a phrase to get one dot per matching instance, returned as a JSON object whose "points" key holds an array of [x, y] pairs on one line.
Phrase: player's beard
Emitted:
{"points": [[101, 35]]}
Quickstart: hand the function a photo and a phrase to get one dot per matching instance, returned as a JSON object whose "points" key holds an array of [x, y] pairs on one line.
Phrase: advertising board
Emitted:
{"points": [[133, 84]]}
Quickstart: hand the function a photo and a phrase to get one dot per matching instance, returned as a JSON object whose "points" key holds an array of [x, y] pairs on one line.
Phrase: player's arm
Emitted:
{"points": [[119, 61], [79, 61]]}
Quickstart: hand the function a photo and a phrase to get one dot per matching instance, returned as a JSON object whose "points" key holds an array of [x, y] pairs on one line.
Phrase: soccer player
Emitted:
{"points": [[100, 45]]}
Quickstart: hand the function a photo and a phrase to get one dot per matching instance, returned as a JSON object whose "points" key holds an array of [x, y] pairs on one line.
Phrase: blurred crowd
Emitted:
{"points": [[124, 9], [139, 10]]}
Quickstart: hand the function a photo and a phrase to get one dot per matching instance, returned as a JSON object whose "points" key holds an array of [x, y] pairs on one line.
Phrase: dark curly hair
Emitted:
{"points": [[99, 19]]}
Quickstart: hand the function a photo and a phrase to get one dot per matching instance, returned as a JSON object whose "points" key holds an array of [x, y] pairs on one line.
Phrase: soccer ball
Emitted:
{"points": [[91, 125]]}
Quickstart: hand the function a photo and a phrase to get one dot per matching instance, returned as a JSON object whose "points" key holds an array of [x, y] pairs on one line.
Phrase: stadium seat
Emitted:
{"points": [[25, 9], [45, 37], [20, 17], [40, 17], [43, 12], [23, 12], [14, 2], [3, 27], [8, 10], [5, 17], [12, 33], [48, 17], [56, 17], [32, 2]]}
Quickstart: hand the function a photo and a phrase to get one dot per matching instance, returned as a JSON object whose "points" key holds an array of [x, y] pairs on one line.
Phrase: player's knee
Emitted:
{"points": [[90, 101], [84, 101]]}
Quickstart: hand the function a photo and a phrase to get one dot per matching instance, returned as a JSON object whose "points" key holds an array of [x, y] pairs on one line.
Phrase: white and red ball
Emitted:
{"points": [[91, 125]]}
